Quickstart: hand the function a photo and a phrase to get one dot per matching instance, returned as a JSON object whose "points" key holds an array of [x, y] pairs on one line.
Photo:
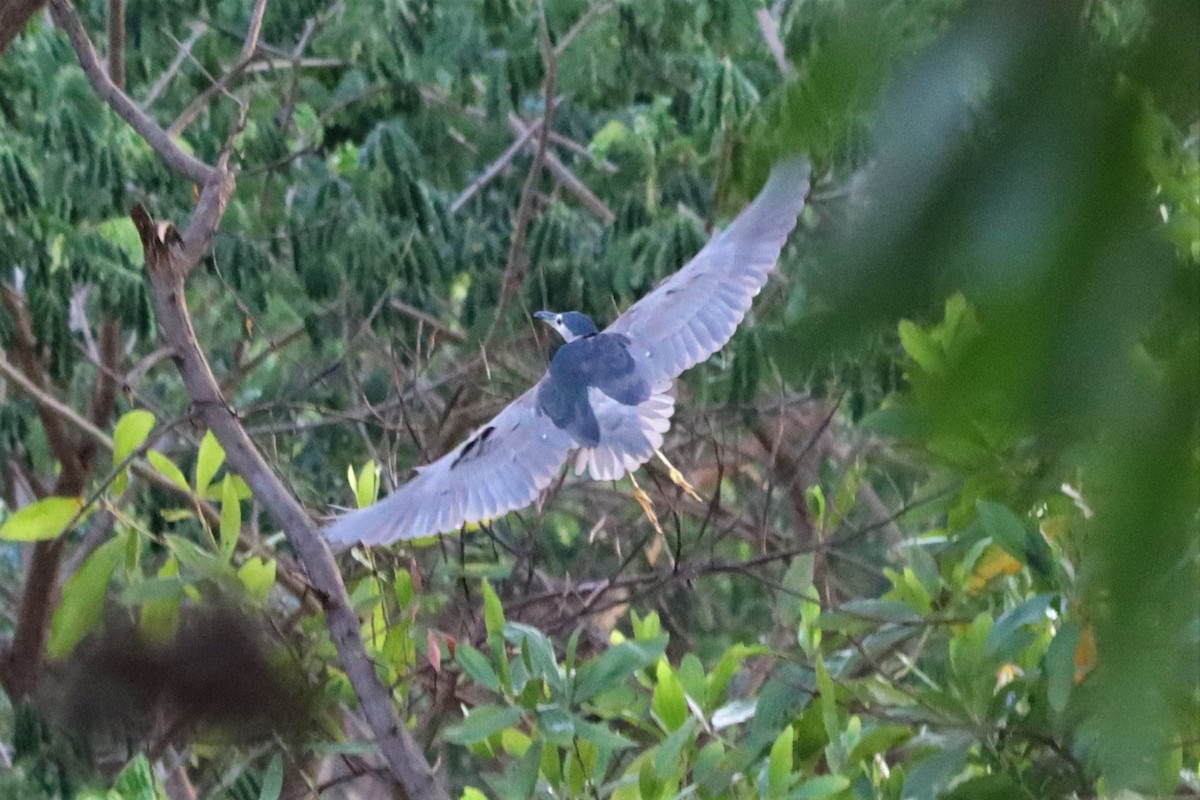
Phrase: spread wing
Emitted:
{"points": [[694, 313], [499, 468]]}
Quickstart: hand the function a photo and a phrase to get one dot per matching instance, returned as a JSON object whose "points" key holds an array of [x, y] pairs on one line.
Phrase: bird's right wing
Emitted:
{"points": [[499, 468], [694, 313]]}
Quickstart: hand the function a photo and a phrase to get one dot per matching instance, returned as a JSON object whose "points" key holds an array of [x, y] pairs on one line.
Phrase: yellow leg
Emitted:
{"points": [[660, 543], [677, 477]]}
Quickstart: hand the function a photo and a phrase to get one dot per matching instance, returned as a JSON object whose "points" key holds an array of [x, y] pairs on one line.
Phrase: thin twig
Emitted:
{"points": [[189, 166], [495, 168], [221, 85], [116, 42], [183, 52], [518, 257], [586, 19], [769, 27], [563, 174]]}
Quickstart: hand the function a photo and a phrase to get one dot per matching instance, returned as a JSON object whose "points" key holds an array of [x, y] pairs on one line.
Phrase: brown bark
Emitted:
{"points": [[14, 14]]}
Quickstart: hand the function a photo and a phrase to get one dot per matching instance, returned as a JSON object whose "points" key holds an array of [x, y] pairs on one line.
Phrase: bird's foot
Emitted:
{"points": [[677, 477], [643, 500]]}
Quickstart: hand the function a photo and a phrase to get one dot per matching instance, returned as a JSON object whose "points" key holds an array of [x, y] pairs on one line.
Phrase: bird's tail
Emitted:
{"points": [[629, 435]]}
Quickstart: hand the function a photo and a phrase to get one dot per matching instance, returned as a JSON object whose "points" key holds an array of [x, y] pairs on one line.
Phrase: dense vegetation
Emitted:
{"points": [[950, 543]]}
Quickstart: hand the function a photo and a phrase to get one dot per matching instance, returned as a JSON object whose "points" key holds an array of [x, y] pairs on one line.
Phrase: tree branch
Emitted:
{"points": [[14, 15], [164, 80], [770, 33], [518, 257], [116, 42], [186, 165], [169, 259]]}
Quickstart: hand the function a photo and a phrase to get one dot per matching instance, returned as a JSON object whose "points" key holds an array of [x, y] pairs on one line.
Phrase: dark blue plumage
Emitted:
{"points": [[594, 360]]}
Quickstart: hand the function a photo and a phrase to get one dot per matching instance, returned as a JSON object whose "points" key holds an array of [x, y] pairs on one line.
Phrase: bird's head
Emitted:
{"points": [[571, 325]]}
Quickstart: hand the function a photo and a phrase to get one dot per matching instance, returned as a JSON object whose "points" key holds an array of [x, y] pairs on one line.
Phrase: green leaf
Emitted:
{"points": [[83, 598], [272, 780], [493, 611], [1008, 636], [1060, 665], [231, 517], [129, 434], [921, 348], [169, 585], [136, 781], [519, 779], [821, 787], [166, 467], [159, 617], [476, 665], [779, 763], [928, 778], [366, 488], [668, 700], [258, 576], [556, 724], [666, 755], [471, 793], [1005, 528], [208, 460], [967, 647], [41, 520], [540, 653], [878, 740], [481, 723], [814, 498], [830, 716], [601, 735], [616, 665]]}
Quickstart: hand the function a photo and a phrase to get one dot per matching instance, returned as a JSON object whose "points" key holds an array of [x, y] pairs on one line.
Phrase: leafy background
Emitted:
{"points": [[952, 457]]}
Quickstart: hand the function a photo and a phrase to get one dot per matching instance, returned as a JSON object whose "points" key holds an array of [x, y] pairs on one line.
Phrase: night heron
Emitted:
{"points": [[607, 394]]}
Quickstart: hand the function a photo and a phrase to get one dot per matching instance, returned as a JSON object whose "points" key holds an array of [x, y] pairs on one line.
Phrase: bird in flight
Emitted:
{"points": [[606, 395]]}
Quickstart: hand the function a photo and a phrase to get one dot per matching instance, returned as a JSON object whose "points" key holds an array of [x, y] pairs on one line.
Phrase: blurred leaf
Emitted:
{"points": [[476, 665], [258, 576], [83, 599], [208, 460], [41, 520], [1060, 665], [272, 781], [668, 699], [129, 434], [482, 722], [166, 467], [231, 518]]}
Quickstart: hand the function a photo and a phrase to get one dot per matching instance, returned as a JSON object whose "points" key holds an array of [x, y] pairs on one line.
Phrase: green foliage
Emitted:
{"points": [[970, 574]]}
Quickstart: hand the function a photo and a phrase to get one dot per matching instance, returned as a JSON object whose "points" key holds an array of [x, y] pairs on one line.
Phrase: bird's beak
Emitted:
{"points": [[545, 316]]}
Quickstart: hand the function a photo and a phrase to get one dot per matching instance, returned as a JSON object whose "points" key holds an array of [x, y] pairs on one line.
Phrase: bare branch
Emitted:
{"points": [[169, 259], [116, 42], [253, 30], [518, 257], [581, 24], [770, 33], [496, 167], [164, 80], [568, 179], [189, 166]]}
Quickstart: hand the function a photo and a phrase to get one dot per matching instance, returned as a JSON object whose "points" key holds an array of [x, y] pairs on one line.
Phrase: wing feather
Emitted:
{"points": [[501, 467], [671, 328]]}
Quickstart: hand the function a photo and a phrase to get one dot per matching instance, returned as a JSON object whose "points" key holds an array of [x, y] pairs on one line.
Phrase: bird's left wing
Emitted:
{"points": [[694, 313], [499, 468]]}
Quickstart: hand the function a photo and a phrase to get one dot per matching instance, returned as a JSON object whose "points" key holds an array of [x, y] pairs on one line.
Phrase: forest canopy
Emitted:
{"points": [[260, 259]]}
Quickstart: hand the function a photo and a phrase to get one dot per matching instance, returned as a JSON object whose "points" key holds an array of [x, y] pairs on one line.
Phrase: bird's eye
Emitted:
{"points": [[558, 319]]}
